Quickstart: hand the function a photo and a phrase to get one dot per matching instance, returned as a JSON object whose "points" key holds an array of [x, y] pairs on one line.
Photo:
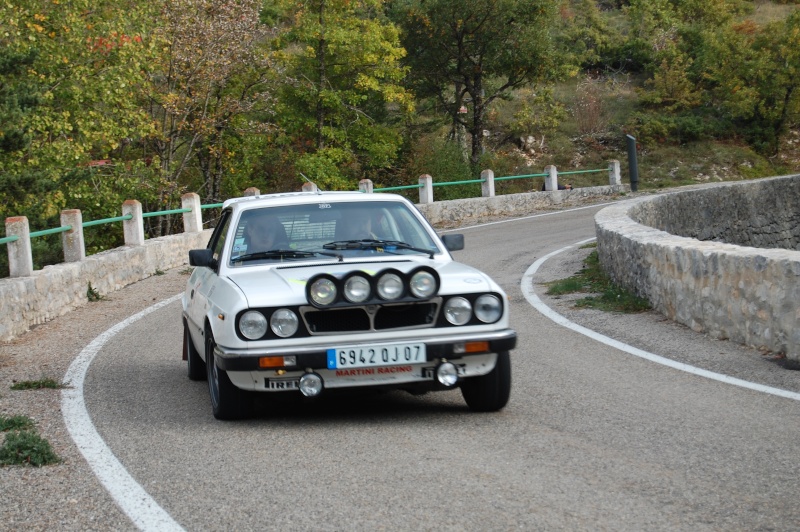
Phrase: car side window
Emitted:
{"points": [[217, 242]]}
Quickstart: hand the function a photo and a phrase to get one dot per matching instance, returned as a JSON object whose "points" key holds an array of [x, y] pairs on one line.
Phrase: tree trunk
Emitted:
{"points": [[478, 113]]}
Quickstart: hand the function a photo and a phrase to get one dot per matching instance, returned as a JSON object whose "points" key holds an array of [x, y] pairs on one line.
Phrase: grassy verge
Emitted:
{"points": [[23, 445], [37, 385], [603, 294]]}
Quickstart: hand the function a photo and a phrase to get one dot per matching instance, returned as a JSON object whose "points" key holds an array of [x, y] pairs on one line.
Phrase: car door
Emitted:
{"points": [[205, 278]]}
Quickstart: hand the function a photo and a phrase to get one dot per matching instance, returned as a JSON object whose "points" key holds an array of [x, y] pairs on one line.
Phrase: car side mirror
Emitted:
{"points": [[202, 257], [453, 242]]}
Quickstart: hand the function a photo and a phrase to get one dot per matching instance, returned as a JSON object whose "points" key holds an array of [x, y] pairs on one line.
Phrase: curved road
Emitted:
{"points": [[593, 437]]}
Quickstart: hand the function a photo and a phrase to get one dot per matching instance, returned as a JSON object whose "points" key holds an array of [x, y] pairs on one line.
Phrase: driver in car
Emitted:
{"points": [[264, 232]]}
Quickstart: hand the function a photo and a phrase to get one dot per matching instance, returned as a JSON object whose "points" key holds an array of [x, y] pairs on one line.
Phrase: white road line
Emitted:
{"points": [[527, 289], [137, 504]]}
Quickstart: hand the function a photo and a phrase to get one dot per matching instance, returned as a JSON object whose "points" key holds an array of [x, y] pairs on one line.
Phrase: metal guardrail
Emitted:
{"points": [[65, 228]]}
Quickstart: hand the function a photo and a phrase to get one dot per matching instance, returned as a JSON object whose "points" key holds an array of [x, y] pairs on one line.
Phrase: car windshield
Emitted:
{"points": [[328, 232]]}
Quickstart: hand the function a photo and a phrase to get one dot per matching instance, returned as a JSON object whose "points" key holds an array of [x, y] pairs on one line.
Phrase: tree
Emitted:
{"points": [[468, 54], [344, 92], [71, 76], [210, 85], [752, 75]]}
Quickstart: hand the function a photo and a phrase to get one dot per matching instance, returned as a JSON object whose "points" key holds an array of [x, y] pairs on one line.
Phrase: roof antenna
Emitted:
{"points": [[319, 191]]}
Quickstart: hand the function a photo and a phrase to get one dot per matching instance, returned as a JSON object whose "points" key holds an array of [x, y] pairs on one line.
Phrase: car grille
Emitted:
{"points": [[371, 317]]}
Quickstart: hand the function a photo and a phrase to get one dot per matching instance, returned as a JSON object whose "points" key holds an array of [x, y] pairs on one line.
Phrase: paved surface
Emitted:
{"points": [[593, 437]]}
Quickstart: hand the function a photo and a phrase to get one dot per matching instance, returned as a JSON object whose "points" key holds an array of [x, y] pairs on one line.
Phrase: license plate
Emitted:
{"points": [[376, 355]]}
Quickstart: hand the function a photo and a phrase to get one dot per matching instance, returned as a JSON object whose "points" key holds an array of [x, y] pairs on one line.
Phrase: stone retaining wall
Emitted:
{"points": [[669, 249], [55, 290]]}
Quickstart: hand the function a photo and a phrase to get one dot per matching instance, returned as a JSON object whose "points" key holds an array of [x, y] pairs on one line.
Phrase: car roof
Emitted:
{"points": [[300, 198]]}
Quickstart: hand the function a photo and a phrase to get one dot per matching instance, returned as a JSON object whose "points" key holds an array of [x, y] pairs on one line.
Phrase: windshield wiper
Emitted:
{"points": [[374, 244], [283, 254]]}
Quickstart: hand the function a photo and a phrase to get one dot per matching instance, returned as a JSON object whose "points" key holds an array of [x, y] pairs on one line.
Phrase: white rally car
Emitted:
{"points": [[312, 291]]}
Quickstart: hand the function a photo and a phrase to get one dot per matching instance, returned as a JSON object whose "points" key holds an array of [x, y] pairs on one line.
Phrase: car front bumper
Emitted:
{"points": [[450, 347], [473, 354]]}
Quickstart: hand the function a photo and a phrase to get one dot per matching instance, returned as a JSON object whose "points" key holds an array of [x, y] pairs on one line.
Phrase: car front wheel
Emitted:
{"points": [[227, 401], [490, 392], [197, 368]]}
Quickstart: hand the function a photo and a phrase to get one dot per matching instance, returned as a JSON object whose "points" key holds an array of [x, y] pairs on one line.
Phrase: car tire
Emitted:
{"points": [[196, 366], [490, 392], [227, 401]]}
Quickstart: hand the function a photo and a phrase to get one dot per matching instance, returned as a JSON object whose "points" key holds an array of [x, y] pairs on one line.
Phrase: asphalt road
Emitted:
{"points": [[593, 438]]}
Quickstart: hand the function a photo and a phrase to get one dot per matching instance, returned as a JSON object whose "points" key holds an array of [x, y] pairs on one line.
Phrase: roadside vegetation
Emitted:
{"points": [[603, 294], [101, 102], [22, 444]]}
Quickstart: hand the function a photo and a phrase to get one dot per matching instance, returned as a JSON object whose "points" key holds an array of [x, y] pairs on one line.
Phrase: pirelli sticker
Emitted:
{"points": [[277, 385]]}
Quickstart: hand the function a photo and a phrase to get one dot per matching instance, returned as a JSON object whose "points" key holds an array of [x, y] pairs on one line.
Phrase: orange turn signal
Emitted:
{"points": [[476, 347], [270, 362]]}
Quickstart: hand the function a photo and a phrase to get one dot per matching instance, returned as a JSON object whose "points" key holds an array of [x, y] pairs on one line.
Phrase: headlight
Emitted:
{"points": [[488, 308], [390, 286], [252, 325], [423, 284], [357, 289], [457, 311], [322, 291], [284, 322]]}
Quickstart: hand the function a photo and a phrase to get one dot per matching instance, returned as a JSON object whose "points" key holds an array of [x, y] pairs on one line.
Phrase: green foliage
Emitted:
{"points": [[346, 92], [26, 447], [92, 294], [604, 294], [15, 423], [37, 384], [467, 55]]}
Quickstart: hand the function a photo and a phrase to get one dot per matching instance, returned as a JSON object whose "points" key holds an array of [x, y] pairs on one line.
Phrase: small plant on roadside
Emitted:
{"points": [[26, 447], [605, 295], [93, 295], [158, 272], [15, 423], [37, 385]]}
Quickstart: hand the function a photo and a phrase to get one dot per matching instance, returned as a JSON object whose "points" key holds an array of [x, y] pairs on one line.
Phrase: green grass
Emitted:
{"points": [[23, 445], [603, 294], [37, 385], [15, 423], [26, 447]]}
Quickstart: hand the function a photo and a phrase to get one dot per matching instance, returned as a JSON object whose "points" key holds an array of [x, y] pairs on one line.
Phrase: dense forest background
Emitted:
{"points": [[105, 101]]}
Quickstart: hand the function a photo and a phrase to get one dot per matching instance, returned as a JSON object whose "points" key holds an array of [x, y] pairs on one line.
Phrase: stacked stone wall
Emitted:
{"points": [[680, 251]]}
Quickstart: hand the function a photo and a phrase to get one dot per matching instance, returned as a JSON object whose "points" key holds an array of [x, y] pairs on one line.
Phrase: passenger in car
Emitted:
{"points": [[357, 225]]}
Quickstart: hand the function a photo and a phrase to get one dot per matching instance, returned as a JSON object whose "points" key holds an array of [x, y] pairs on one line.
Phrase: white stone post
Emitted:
{"points": [[192, 220], [72, 240], [426, 190], [366, 186], [487, 187], [252, 191], [133, 229], [20, 257], [309, 187], [613, 173], [551, 180]]}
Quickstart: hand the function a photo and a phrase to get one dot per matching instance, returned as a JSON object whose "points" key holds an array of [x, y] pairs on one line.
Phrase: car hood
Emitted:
{"points": [[286, 284]]}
